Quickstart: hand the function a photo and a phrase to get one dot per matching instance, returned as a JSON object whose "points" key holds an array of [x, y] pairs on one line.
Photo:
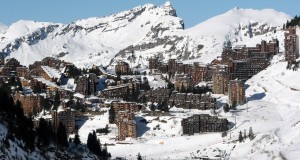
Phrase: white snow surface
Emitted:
{"points": [[22, 28]]}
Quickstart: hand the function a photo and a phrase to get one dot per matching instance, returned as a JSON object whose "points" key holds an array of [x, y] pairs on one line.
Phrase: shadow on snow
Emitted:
{"points": [[141, 125], [257, 96]]}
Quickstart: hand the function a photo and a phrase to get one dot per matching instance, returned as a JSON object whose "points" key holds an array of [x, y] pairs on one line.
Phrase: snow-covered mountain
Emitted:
{"points": [[88, 41], [204, 42], [237, 26], [2, 27], [137, 34]]}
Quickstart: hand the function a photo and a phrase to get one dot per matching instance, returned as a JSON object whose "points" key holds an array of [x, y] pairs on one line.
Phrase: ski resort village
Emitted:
{"points": [[138, 85]]}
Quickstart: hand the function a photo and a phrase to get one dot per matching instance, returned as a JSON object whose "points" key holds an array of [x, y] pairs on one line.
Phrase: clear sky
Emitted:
{"points": [[191, 11]]}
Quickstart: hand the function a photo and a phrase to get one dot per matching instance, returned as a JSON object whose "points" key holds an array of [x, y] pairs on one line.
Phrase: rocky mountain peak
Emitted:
{"points": [[169, 8]]}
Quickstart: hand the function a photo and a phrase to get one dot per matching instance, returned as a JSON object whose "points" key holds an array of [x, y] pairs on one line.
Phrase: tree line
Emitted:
{"points": [[293, 22], [21, 126]]}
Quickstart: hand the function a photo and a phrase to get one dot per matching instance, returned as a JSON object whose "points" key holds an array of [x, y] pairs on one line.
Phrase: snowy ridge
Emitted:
{"points": [[137, 34], [205, 41], [2, 28], [22, 28], [85, 42], [238, 26]]}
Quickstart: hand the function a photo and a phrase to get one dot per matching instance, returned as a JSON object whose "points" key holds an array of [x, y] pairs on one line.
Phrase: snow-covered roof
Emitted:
{"points": [[239, 47], [179, 62], [239, 61], [43, 114], [92, 97], [203, 83], [43, 80], [43, 94], [52, 73], [70, 86], [109, 101], [79, 95], [115, 87]]}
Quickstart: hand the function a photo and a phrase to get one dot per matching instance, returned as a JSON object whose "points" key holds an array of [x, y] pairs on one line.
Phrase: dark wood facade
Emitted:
{"points": [[200, 123]]}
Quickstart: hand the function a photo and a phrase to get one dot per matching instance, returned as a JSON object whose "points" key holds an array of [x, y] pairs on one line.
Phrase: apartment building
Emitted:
{"points": [[199, 123], [236, 92], [66, 117]]}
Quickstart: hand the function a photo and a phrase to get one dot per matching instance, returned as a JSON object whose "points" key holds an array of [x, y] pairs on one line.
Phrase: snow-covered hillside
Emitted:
{"points": [[137, 34], [237, 26], [272, 111]]}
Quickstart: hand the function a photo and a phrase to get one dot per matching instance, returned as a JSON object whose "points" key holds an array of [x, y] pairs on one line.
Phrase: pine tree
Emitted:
{"points": [[94, 144], [182, 88], [90, 142], [50, 131], [251, 134], [226, 108], [77, 140], [56, 99], [95, 70], [170, 85], [17, 109], [13, 81], [224, 134], [27, 132], [19, 84], [118, 76], [245, 135], [112, 115], [45, 103], [152, 107], [109, 155], [139, 157], [147, 86], [43, 132], [4, 103], [78, 106], [73, 71], [288, 66], [165, 106], [287, 24], [37, 88], [97, 144], [240, 137], [233, 105], [62, 138], [104, 153]]}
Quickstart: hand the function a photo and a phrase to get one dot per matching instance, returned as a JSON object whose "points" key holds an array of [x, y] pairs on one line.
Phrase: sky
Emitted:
{"points": [[191, 11]]}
